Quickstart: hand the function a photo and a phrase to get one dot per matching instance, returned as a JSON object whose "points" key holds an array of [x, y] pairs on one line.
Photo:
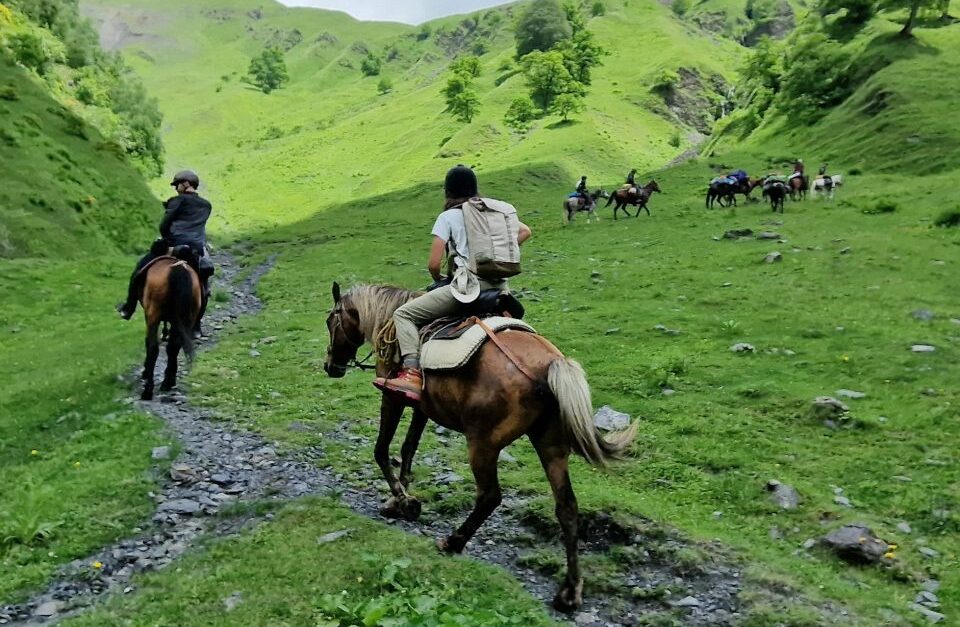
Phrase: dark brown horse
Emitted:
{"points": [[776, 191], [493, 400], [624, 196], [171, 294], [798, 187], [723, 188]]}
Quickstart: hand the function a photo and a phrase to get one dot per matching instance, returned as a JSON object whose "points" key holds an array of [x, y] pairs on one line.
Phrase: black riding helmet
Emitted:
{"points": [[460, 182], [186, 176]]}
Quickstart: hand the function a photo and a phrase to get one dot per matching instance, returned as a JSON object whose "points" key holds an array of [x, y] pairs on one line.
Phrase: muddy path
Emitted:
{"points": [[650, 573]]}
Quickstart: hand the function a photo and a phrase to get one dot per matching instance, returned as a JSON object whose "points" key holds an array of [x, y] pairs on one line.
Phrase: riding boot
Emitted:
{"points": [[129, 307], [408, 384]]}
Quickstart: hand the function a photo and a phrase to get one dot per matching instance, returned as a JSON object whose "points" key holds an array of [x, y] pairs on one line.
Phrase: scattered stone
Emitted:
{"points": [[183, 473], [663, 329], [775, 534], [269, 340], [727, 284], [924, 315], [768, 235], [254, 353], [923, 348], [785, 496], [856, 543], [850, 394], [449, 477], [901, 478], [506, 457], [842, 500], [667, 392], [928, 552], [774, 257], [160, 452], [333, 535], [47, 610], [233, 601], [686, 602], [928, 598], [904, 527], [180, 506], [609, 419], [737, 233], [809, 543], [930, 615], [930, 585], [717, 515], [955, 320], [826, 407], [612, 331], [742, 347], [845, 250]]}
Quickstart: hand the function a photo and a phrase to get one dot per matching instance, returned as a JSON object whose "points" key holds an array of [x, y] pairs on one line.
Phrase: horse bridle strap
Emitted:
{"points": [[503, 349], [362, 364]]}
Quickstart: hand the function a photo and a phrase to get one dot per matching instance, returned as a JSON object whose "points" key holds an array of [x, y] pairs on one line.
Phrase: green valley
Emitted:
{"points": [[337, 176]]}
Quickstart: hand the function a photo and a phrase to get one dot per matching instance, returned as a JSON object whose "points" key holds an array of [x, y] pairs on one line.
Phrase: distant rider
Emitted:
{"points": [[183, 224], [582, 191], [797, 169], [447, 299]]}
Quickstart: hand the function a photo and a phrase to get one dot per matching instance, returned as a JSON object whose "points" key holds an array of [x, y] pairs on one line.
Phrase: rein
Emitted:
{"points": [[353, 363]]}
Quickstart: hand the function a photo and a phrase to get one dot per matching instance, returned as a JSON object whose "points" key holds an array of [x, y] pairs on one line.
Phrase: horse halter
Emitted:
{"points": [[342, 368]]}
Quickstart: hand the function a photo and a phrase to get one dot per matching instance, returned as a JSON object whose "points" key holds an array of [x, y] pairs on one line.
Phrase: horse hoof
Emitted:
{"points": [[569, 598], [146, 396], [449, 545], [410, 508], [166, 387], [391, 509]]}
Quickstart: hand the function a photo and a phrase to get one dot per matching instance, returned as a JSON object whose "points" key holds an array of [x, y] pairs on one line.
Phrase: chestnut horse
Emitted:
{"points": [[493, 400], [625, 197], [798, 187], [171, 293]]}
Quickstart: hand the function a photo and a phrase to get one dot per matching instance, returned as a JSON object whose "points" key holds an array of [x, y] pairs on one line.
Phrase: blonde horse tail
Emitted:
{"points": [[569, 385]]}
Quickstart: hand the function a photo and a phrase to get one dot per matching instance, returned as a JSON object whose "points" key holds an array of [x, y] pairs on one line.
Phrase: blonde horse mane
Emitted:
{"points": [[375, 305]]}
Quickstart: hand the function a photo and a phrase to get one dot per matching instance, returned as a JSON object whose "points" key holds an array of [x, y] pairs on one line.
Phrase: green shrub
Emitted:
{"points": [[680, 7], [370, 65], [949, 218], [666, 80], [598, 9], [675, 139], [520, 114], [881, 206], [385, 86]]}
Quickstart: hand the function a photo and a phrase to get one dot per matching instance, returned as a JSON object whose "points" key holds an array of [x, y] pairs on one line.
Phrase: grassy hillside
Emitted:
{"points": [[329, 137]]}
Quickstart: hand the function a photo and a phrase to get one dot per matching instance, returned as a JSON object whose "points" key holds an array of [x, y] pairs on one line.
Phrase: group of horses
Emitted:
{"points": [[775, 188], [627, 195]]}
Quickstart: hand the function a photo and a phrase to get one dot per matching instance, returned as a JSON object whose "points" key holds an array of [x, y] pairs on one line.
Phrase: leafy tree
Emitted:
{"points": [[816, 76], [540, 27], [763, 66], [35, 50], [581, 54], [666, 80], [680, 7], [268, 71], [944, 7], [913, 6], [370, 66], [520, 114], [548, 77], [467, 65], [850, 15], [566, 104], [385, 86], [464, 105]]}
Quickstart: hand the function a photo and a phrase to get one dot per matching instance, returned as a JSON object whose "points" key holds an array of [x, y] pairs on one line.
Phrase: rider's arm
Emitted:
{"points": [[524, 233], [437, 251], [173, 208]]}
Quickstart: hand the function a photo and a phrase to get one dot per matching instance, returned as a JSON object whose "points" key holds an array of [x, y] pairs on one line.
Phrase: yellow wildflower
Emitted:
{"points": [[76, 464], [34, 452], [97, 565], [845, 358], [890, 555]]}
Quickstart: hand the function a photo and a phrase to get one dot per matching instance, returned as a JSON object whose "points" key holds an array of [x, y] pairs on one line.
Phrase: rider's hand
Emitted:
{"points": [[438, 283]]}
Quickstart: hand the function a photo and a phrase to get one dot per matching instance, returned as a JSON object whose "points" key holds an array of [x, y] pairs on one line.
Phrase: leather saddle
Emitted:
{"points": [[489, 303]]}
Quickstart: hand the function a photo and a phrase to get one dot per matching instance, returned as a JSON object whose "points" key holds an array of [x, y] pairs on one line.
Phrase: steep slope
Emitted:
{"points": [[67, 188], [329, 136]]}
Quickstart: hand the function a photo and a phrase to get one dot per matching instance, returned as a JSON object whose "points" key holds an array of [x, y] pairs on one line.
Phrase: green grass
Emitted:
{"points": [[75, 461], [372, 573]]}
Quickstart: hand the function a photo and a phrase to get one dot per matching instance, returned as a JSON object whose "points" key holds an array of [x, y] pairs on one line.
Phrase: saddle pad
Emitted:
{"points": [[452, 354]]}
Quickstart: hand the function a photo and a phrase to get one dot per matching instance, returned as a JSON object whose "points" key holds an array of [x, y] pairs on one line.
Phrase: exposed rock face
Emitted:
{"points": [[856, 543]]}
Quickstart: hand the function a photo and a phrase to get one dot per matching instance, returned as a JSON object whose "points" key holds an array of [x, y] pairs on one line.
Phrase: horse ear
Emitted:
{"points": [[336, 292]]}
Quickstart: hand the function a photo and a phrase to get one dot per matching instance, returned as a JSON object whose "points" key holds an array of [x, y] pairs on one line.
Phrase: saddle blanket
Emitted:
{"points": [[453, 354]]}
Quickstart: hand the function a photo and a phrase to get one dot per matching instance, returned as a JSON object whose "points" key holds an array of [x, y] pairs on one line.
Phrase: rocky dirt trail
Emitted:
{"points": [[220, 466]]}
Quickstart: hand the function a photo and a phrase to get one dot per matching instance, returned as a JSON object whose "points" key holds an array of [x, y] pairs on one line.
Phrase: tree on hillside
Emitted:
{"points": [[268, 71], [850, 15], [944, 7], [468, 65], [540, 27], [913, 6], [567, 104], [520, 114], [464, 104], [548, 77], [370, 66], [581, 52]]}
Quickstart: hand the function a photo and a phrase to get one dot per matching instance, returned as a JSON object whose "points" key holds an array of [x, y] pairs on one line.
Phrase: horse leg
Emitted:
{"points": [[554, 452], [397, 506], [483, 463], [152, 344], [170, 374], [410, 444]]}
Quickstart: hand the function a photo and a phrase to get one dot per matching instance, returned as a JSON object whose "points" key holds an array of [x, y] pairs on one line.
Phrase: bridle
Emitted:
{"points": [[353, 363]]}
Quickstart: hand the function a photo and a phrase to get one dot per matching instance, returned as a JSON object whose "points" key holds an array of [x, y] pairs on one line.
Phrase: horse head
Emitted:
{"points": [[600, 193], [343, 324], [652, 187]]}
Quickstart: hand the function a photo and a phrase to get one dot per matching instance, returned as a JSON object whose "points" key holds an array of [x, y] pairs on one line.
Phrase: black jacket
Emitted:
{"points": [[185, 221]]}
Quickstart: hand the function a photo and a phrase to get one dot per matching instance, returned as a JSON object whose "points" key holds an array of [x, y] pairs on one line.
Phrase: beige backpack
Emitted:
{"points": [[492, 227]]}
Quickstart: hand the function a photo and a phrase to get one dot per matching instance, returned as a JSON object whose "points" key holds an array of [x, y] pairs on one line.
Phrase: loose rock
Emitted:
{"points": [[160, 452], [924, 315], [850, 394], [930, 615], [774, 257], [856, 544], [768, 235], [826, 407], [609, 419], [333, 535], [785, 496], [737, 233], [742, 347], [923, 348]]}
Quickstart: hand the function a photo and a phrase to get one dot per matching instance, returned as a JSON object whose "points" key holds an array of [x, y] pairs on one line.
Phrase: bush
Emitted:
{"points": [[268, 71], [370, 65], [675, 139], [541, 26], [948, 219], [520, 114], [598, 9], [666, 80], [385, 86], [680, 7], [881, 206]]}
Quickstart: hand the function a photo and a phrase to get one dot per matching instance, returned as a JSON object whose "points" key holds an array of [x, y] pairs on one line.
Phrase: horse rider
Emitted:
{"points": [[631, 181], [797, 169], [446, 299], [582, 191], [184, 224]]}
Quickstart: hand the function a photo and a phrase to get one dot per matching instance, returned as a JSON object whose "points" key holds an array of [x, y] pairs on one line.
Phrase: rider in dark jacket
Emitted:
{"points": [[631, 178], [183, 224]]}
